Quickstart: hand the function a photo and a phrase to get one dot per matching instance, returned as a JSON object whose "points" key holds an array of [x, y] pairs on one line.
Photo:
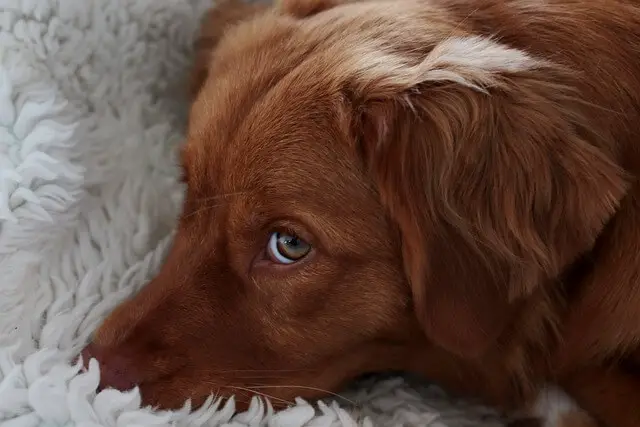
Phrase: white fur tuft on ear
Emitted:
{"points": [[475, 62], [553, 406]]}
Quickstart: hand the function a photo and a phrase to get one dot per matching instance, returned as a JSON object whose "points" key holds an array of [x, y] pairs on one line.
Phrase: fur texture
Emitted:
{"points": [[466, 188], [92, 108]]}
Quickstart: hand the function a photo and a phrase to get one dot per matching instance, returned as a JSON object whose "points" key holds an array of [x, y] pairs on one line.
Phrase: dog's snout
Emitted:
{"points": [[116, 371]]}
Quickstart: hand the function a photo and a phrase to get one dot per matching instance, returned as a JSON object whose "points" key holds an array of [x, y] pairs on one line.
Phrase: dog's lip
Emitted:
{"points": [[84, 369]]}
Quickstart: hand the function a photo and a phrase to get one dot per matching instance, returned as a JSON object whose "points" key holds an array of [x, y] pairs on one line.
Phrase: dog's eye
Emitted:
{"points": [[287, 248]]}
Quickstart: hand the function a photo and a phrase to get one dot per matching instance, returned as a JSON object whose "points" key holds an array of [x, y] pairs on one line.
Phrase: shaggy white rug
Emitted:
{"points": [[91, 112]]}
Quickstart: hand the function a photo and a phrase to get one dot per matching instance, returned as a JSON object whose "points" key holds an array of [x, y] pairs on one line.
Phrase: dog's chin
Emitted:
{"points": [[168, 394], [173, 394]]}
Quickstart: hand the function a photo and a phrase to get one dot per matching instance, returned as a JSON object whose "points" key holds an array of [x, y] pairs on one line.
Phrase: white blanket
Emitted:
{"points": [[91, 113]]}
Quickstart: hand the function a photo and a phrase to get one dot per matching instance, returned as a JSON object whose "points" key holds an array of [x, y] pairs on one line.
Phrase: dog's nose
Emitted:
{"points": [[115, 370]]}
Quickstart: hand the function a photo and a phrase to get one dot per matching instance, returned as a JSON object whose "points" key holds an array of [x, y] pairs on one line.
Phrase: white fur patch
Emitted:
{"points": [[473, 61], [551, 405], [477, 57]]}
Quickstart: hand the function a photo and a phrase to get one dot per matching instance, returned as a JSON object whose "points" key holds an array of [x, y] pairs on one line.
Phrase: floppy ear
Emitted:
{"points": [[214, 24], [487, 164]]}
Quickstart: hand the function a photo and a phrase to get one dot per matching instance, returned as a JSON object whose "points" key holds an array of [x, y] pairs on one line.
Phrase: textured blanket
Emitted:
{"points": [[91, 113]]}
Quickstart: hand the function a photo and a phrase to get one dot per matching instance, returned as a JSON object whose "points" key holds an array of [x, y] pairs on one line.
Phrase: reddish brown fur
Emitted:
{"points": [[482, 229]]}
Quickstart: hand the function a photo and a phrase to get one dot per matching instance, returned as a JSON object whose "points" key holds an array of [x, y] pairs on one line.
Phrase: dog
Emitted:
{"points": [[445, 187]]}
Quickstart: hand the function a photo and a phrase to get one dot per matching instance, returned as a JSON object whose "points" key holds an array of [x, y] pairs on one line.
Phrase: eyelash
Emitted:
{"points": [[284, 227]]}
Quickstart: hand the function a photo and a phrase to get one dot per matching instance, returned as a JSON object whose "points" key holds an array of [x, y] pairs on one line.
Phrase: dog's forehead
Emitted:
{"points": [[258, 131], [288, 153], [285, 142], [275, 105], [286, 139]]}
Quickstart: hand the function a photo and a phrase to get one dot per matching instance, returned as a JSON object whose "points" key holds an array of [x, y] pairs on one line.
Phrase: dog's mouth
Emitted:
{"points": [[123, 373], [171, 388], [171, 392]]}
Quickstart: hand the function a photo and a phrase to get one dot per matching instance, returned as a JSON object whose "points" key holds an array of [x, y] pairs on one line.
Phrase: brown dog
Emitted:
{"points": [[441, 186]]}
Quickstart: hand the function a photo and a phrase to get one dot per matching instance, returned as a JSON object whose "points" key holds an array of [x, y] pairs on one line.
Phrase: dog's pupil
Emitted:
{"points": [[291, 241]]}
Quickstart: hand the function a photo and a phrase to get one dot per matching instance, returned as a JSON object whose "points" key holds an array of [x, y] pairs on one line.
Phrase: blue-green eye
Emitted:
{"points": [[287, 248]]}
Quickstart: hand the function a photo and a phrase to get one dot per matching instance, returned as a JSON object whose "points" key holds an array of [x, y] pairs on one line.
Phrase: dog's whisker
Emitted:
{"points": [[268, 396], [242, 394], [306, 388], [202, 209], [218, 197], [224, 196]]}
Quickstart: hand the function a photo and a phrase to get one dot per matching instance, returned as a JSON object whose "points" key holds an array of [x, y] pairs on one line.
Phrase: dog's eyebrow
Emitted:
{"points": [[218, 200], [226, 195]]}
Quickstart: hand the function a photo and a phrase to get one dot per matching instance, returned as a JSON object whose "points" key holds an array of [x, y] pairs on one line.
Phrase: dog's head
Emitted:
{"points": [[358, 183]]}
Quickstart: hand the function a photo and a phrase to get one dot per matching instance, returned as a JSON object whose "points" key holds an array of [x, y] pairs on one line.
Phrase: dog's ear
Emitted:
{"points": [[485, 161], [214, 24]]}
